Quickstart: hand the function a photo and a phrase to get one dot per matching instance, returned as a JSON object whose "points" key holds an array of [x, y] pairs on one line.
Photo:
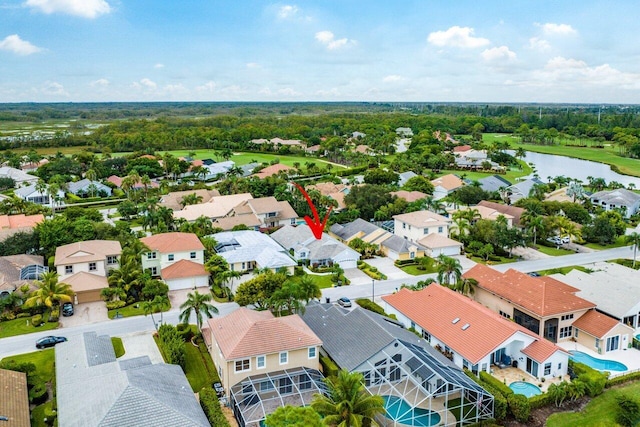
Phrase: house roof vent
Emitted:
{"points": [[465, 326], [456, 320]]}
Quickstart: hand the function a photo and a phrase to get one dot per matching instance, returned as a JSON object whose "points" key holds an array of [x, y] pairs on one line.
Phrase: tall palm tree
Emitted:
{"points": [[466, 286], [50, 292], [633, 239], [448, 268], [198, 303], [534, 223], [347, 403]]}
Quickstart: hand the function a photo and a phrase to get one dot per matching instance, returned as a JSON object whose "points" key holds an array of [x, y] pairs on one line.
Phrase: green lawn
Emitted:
{"points": [[43, 359], [617, 244], [37, 414], [600, 411], [469, 409], [564, 270], [118, 346], [131, 310], [413, 270], [23, 326], [494, 261], [510, 176], [554, 251], [323, 281]]}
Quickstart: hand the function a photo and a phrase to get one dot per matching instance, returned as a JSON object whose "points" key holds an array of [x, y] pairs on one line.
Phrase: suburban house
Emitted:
{"points": [[19, 177], [214, 170], [404, 177], [473, 336], [489, 214], [14, 405], [12, 224], [398, 365], [543, 304], [117, 182], [264, 362], [269, 211], [445, 185], [521, 189], [246, 250], [215, 207], [274, 170], [438, 244], [324, 252], [88, 188], [404, 132], [390, 245], [505, 210], [493, 183], [120, 392], [414, 226], [409, 196], [620, 199], [333, 191], [279, 142], [174, 199], [178, 258], [601, 333], [18, 270], [31, 194], [613, 288]]}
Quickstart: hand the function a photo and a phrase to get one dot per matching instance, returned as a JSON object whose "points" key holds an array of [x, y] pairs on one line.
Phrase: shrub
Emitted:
{"points": [[628, 413], [519, 407], [22, 315], [38, 393], [172, 344], [54, 316], [8, 316], [633, 376], [36, 320], [541, 400], [370, 305], [211, 407], [112, 305], [495, 383], [329, 368], [50, 415], [594, 382]]}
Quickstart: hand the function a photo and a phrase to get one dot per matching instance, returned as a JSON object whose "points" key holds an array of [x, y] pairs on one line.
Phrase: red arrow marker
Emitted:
{"points": [[315, 225]]}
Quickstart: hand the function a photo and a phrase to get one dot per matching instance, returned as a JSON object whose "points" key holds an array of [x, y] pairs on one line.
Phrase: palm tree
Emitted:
{"points": [[150, 307], [198, 303], [347, 403], [633, 239], [191, 199], [466, 286], [50, 292], [534, 223], [448, 268]]}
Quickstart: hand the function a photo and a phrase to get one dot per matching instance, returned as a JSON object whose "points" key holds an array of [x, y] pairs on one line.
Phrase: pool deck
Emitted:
{"points": [[630, 357], [511, 375]]}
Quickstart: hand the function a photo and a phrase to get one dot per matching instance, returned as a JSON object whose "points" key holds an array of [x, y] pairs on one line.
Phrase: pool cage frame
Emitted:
{"points": [[253, 398], [410, 372]]}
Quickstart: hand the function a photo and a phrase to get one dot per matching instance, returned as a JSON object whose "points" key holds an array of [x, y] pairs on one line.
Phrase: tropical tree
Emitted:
{"points": [[634, 240], [190, 199], [448, 269], [50, 292], [199, 304], [347, 403], [558, 393], [534, 224], [466, 286], [294, 416]]}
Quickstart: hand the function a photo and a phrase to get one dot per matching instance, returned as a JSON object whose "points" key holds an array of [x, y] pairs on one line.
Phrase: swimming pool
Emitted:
{"points": [[599, 364], [399, 410], [523, 387]]}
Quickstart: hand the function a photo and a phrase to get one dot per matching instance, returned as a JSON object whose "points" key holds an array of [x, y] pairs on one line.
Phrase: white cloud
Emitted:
{"points": [[15, 44], [287, 11], [392, 78], [208, 87], [539, 44], [501, 53], [557, 29], [53, 88], [82, 8], [574, 72], [333, 92], [287, 91], [146, 84], [158, 66], [457, 37], [253, 65], [100, 83], [176, 89], [327, 38]]}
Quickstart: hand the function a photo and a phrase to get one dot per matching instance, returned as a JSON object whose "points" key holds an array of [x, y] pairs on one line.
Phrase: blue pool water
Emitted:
{"points": [[522, 387], [599, 364], [399, 410]]}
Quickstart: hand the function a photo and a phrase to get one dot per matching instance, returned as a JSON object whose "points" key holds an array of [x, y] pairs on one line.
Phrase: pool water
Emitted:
{"points": [[523, 387], [399, 410], [599, 364]]}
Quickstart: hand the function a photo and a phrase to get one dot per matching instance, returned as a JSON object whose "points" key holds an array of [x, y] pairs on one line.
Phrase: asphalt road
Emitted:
{"points": [[26, 343]]}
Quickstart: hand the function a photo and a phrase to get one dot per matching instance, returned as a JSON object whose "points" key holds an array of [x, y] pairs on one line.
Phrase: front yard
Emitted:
{"points": [[554, 251], [10, 328]]}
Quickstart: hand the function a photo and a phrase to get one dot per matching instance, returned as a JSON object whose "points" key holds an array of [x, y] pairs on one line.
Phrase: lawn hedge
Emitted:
{"points": [[329, 368], [594, 381], [519, 407], [211, 407], [173, 344], [370, 305], [496, 383]]}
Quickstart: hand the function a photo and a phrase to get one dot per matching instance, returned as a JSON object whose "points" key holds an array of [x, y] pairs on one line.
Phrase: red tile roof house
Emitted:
{"points": [[473, 336], [543, 305], [178, 258]]}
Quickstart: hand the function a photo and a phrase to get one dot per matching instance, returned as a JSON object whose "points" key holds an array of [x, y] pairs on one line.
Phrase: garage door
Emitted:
{"points": [[89, 296], [187, 283], [348, 263]]}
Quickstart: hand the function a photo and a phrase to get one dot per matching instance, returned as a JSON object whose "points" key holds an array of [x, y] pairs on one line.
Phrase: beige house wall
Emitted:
{"points": [[589, 341]]}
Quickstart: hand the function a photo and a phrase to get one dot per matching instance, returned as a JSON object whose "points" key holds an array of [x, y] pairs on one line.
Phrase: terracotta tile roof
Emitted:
{"points": [[542, 296], [173, 200], [273, 170], [514, 211], [20, 221], [183, 268], [363, 149], [173, 242], [448, 182], [423, 219], [409, 196], [244, 333], [90, 250], [461, 148], [84, 281], [15, 400], [595, 323], [435, 309], [540, 350], [490, 213], [265, 205]]}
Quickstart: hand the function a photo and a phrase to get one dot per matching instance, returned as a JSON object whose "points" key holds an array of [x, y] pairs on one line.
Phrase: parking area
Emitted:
{"points": [[141, 344], [89, 312]]}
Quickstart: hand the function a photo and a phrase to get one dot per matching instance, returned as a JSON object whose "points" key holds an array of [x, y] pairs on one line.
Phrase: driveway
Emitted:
{"points": [[385, 266], [140, 344], [356, 276], [89, 312], [178, 297]]}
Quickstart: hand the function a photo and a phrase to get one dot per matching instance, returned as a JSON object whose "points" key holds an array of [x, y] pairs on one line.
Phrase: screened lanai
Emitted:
{"points": [[32, 272], [257, 396], [420, 389]]}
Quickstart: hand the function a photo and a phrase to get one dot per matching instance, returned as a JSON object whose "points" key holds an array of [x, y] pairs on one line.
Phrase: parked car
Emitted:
{"points": [[344, 302], [534, 274], [67, 309], [49, 341], [565, 240], [555, 239]]}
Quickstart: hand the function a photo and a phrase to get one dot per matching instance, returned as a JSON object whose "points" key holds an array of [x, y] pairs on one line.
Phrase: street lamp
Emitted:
{"points": [[373, 289]]}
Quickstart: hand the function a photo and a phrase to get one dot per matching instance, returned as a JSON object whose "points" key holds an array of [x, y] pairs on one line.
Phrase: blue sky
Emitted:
{"points": [[342, 50]]}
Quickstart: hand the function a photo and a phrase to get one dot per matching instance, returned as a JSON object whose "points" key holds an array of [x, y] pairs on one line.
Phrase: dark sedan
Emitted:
{"points": [[49, 341]]}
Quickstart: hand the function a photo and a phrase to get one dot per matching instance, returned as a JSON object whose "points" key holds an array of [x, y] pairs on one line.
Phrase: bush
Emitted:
{"points": [[628, 414], [112, 305], [36, 320], [172, 344], [211, 407], [50, 415], [495, 383], [8, 315], [633, 376], [400, 263], [38, 393], [540, 401], [22, 315], [54, 316], [370, 305], [594, 382], [329, 368], [519, 407]]}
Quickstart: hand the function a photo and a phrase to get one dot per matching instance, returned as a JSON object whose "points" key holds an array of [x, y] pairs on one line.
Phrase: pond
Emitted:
{"points": [[549, 165]]}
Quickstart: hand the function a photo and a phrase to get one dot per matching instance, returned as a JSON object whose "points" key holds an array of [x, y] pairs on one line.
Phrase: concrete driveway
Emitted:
{"points": [[385, 266], [141, 344], [89, 312], [356, 276]]}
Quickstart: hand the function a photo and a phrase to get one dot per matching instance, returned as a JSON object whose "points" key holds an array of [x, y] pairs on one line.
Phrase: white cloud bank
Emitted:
{"points": [[501, 53], [557, 29], [82, 8], [457, 37], [287, 11], [327, 38], [15, 44]]}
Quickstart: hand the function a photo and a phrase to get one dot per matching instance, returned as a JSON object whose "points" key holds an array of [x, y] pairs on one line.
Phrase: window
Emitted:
{"points": [[312, 352], [404, 225], [426, 336], [284, 357], [192, 255], [261, 362], [151, 255], [93, 266], [243, 365], [271, 214], [503, 314], [171, 257], [426, 230], [412, 255], [154, 271], [547, 369], [559, 366], [111, 259], [293, 221], [243, 266], [266, 385], [576, 333], [440, 229], [68, 269], [565, 332], [567, 317]]}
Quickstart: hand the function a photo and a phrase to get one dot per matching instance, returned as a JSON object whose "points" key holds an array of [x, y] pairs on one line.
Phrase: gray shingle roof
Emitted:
{"points": [[98, 349], [493, 183], [617, 197], [301, 236]]}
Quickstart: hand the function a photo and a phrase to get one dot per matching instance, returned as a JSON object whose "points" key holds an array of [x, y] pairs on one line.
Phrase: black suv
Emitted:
{"points": [[67, 309]]}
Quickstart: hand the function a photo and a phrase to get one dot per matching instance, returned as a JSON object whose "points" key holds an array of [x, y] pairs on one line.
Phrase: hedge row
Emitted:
{"points": [[520, 407], [496, 383], [329, 368], [633, 376], [594, 381], [367, 304], [541, 400], [211, 407], [172, 344]]}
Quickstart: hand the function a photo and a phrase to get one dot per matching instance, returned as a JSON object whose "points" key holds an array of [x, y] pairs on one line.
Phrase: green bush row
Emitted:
{"points": [[211, 407], [38, 393], [541, 400], [520, 407], [497, 384], [633, 376], [594, 381], [370, 305], [173, 344], [329, 368], [112, 305], [400, 263]]}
